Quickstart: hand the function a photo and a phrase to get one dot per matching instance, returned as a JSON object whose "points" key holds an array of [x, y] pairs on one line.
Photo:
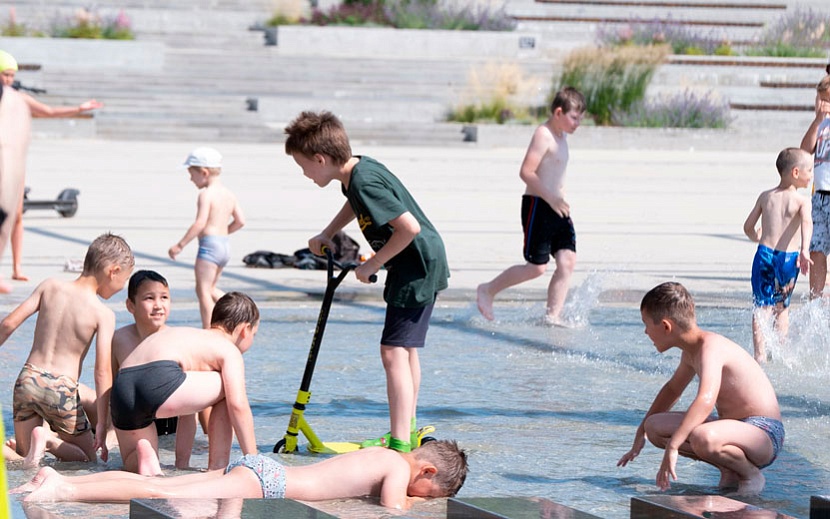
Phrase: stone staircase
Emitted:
{"points": [[212, 68]]}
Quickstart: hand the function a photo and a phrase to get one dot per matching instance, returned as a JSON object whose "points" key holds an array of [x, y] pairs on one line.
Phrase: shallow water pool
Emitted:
{"points": [[541, 411]]}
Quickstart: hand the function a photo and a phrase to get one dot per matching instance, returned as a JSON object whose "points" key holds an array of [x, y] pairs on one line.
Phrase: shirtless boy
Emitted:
{"points": [[148, 300], [783, 243], [217, 215], [817, 141], [70, 314], [435, 469], [745, 436], [180, 371], [548, 228]]}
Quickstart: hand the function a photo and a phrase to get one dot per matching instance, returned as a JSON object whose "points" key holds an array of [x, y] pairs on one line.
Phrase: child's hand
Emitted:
{"points": [[316, 244], [365, 271], [174, 251], [92, 104], [666, 472], [822, 107], [639, 443], [101, 441], [561, 207], [804, 262]]}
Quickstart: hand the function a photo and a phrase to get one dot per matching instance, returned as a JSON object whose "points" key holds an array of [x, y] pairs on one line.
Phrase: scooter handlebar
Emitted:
{"points": [[345, 266]]}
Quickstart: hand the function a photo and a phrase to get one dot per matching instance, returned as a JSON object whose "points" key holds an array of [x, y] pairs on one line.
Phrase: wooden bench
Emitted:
{"points": [[510, 508]]}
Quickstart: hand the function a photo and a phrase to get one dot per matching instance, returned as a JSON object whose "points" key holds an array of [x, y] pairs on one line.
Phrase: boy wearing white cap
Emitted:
{"points": [[217, 215]]}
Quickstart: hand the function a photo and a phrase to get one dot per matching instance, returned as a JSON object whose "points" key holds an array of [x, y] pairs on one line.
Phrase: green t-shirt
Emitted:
{"points": [[416, 274]]}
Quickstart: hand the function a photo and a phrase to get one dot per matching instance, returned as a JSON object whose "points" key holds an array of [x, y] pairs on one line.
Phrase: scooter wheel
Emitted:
{"points": [[427, 439], [279, 446], [69, 202]]}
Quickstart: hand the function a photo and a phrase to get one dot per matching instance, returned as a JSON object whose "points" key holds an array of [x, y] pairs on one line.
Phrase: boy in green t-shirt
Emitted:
{"points": [[405, 243]]}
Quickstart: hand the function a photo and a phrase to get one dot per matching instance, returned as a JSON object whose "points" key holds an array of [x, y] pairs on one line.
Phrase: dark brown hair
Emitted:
{"points": [[233, 309], [568, 98], [321, 133], [670, 300], [450, 462]]}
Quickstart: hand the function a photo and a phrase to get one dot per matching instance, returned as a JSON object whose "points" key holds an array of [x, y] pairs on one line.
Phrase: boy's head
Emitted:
{"points": [[8, 68], [670, 301], [111, 261], [567, 108], [148, 298], [447, 465], [204, 157], [321, 133], [236, 312], [796, 163]]}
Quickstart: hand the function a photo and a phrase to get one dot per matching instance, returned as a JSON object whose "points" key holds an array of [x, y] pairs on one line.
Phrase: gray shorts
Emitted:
{"points": [[821, 223], [270, 473]]}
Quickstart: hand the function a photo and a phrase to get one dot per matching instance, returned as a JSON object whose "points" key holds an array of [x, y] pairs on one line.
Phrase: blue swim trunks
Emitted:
{"points": [[270, 473], [774, 429], [774, 274], [215, 249]]}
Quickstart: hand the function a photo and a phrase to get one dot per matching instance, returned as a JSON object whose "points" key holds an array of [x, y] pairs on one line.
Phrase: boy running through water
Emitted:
{"points": [[546, 216], [783, 243]]}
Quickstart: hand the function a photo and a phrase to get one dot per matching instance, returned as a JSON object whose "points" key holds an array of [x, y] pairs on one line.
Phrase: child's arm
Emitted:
{"points": [[540, 144], [668, 395], [394, 487], [804, 260], [750, 230], [20, 314], [39, 109], [238, 221], [185, 434], [808, 143], [405, 229], [103, 377], [202, 212], [711, 368], [236, 398], [340, 220]]}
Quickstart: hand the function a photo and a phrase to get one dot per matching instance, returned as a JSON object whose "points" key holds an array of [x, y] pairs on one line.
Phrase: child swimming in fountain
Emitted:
{"points": [[178, 371], [745, 436], [435, 469], [783, 243]]}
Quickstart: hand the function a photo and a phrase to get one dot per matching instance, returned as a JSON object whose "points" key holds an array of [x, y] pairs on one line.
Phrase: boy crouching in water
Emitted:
{"points": [[178, 371], [783, 243], [745, 436], [69, 316], [435, 469]]}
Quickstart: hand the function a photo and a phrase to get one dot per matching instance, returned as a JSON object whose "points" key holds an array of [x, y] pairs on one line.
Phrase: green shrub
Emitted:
{"points": [[686, 109], [611, 79], [497, 93]]}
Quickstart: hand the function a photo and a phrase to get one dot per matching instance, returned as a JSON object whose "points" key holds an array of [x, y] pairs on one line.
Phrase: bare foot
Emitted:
{"points": [[17, 276], [557, 322], [148, 461], [484, 301], [53, 487], [752, 486], [37, 447], [41, 476], [728, 479]]}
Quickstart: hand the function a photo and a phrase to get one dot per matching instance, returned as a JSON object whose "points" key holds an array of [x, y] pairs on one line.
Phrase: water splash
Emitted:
{"points": [[582, 299]]}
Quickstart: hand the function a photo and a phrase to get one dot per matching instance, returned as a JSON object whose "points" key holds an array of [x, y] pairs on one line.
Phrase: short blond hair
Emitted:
{"points": [[670, 300], [107, 249]]}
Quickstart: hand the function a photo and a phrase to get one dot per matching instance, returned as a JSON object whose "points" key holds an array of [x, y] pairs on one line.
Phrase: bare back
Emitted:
{"points": [[69, 316], [220, 205], [782, 213], [546, 160], [360, 473], [193, 349], [743, 388]]}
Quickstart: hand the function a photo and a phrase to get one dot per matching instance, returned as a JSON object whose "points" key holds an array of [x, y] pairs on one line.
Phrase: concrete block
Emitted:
{"points": [[75, 54], [216, 508], [686, 507], [819, 507], [376, 42], [510, 508]]}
